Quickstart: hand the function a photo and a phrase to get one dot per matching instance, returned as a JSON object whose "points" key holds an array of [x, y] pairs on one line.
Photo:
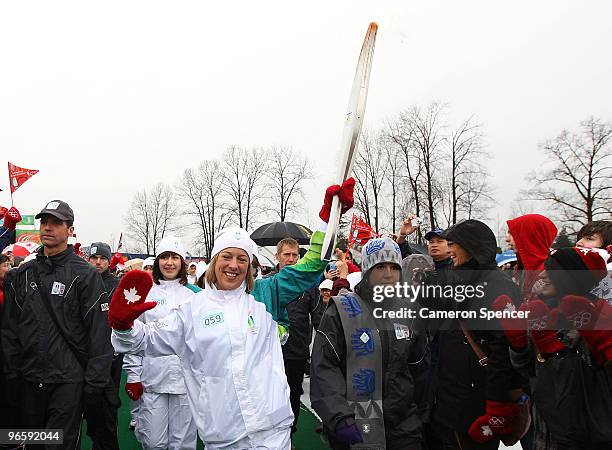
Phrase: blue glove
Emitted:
{"points": [[348, 434]]}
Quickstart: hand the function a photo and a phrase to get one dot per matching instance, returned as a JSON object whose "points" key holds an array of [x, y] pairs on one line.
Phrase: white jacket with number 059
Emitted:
{"points": [[160, 374], [232, 361]]}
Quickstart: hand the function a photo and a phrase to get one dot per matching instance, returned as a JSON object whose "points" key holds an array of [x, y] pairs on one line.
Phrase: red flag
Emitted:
{"points": [[19, 175], [360, 232]]}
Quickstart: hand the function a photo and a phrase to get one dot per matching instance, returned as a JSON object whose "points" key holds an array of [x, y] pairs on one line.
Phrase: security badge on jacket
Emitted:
{"points": [[58, 288]]}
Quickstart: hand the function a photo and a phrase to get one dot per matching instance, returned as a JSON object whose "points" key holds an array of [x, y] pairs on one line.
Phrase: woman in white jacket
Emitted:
{"points": [[164, 419]]}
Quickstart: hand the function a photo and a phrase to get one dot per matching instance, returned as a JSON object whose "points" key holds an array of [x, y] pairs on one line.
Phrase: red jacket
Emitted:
{"points": [[533, 235]]}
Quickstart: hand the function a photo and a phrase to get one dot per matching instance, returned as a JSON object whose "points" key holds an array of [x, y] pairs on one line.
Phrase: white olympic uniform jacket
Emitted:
{"points": [[232, 361], [160, 374]]}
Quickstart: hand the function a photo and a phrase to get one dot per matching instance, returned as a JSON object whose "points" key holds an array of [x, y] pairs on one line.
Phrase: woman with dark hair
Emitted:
{"points": [[475, 398], [566, 351], [164, 419]]}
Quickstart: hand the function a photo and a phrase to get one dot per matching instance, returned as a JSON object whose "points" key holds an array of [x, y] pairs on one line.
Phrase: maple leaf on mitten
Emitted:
{"points": [[128, 302]]}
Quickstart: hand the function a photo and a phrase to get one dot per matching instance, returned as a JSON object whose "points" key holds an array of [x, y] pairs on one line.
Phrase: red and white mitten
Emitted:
{"points": [[542, 324], [134, 390], [11, 218], [495, 423], [593, 321], [128, 301], [515, 329]]}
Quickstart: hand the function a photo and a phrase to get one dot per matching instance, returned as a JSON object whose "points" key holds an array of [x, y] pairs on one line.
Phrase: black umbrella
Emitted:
{"points": [[270, 233]]}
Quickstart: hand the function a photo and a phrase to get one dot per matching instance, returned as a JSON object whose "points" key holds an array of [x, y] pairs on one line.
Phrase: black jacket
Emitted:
{"points": [[110, 283], [33, 347], [303, 316], [461, 384], [405, 368]]}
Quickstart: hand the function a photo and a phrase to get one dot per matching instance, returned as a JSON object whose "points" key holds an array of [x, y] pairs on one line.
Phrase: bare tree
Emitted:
{"points": [[393, 157], [202, 192], [243, 176], [428, 138], [401, 132], [576, 179], [151, 216], [469, 179], [369, 171], [286, 171]]}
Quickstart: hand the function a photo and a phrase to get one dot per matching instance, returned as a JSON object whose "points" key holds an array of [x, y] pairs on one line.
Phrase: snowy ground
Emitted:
{"points": [[306, 402]]}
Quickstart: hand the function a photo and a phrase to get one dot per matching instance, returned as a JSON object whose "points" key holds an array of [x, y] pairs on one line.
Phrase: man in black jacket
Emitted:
{"points": [[55, 336], [104, 434]]}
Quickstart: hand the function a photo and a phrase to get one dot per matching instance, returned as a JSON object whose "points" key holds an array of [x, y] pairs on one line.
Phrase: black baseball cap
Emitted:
{"points": [[435, 232], [59, 209], [100, 249]]}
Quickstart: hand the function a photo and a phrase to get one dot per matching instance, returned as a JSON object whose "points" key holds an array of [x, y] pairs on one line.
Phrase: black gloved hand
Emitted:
{"points": [[92, 404], [13, 392]]}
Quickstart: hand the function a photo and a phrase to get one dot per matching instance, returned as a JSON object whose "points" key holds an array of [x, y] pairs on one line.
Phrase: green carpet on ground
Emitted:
{"points": [[304, 439]]}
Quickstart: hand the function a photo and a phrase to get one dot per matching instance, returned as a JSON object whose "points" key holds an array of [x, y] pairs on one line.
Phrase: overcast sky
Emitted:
{"points": [[109, 97]]}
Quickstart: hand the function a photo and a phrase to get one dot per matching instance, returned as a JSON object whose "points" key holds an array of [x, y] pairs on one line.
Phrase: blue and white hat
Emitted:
{"points": [[380, 250]]}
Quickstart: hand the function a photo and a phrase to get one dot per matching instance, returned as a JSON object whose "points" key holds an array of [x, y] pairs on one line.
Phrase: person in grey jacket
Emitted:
{"points": [[369, 374]]}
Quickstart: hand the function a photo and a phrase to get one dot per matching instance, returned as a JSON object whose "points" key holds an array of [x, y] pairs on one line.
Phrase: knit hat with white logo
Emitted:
{"points": [[171, 244], [380, 250], [234, 238]]}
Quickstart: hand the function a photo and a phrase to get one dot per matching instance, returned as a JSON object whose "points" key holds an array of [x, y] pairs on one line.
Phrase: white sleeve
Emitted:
{"points": [[160, 338], [132, 364]]}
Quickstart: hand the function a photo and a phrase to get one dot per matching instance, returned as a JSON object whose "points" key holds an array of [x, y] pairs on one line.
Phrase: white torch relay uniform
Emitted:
{"points": [[228, 344], [163, 419], [229, 347]]}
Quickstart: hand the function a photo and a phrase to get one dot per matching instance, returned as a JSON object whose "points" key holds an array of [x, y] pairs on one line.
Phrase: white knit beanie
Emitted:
{"points": [[234, 238]]}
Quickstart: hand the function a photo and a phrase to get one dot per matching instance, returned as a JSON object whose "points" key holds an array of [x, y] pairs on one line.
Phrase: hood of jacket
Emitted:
{"points": [[533, 235], [476, 238]]}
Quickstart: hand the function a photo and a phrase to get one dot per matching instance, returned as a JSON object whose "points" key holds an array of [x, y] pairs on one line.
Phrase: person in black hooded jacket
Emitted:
{"points": [[470, 398]]}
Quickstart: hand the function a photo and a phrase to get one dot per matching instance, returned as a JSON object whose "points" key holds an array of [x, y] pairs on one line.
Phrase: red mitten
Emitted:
{"points": [[3, 211], [128, 302], [593, 321], [11, 218], [515, 329], [496, 421], [542, 323], [345, 195], [115, 259], [134, 390]]}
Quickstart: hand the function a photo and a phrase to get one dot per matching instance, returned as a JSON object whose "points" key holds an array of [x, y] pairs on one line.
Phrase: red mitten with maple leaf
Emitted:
{"points": [[594, 323], [345, 195], [128, 301], [515, 329], [496, 422]]}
